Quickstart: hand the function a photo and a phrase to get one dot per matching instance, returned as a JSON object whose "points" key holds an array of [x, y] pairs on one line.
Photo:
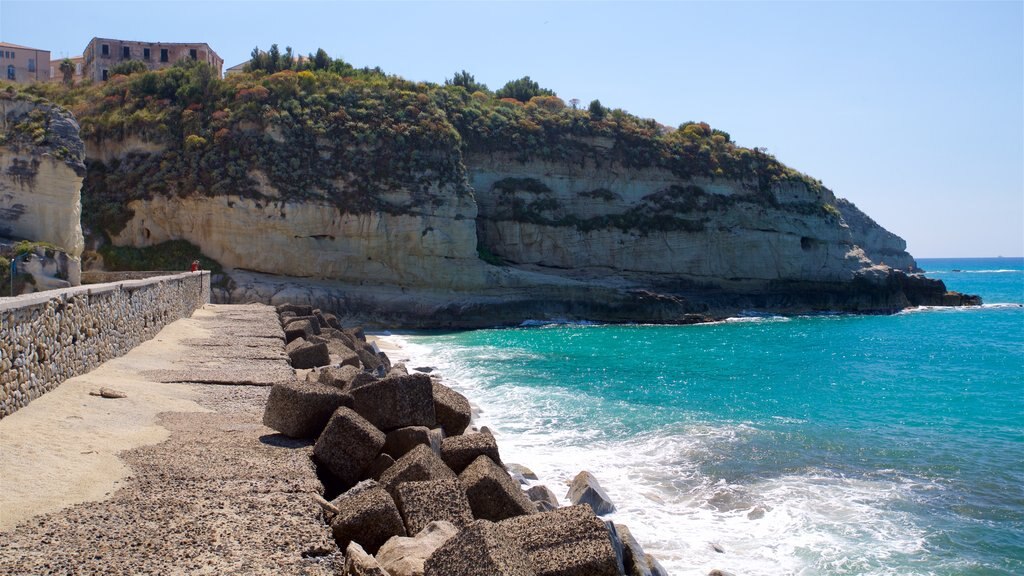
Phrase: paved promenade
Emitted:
{"points": [[179, 477]]}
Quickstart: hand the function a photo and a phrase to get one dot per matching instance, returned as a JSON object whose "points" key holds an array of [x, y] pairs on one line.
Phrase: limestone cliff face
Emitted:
{"points": [[643, 223], [41, 172], [432, 245]]}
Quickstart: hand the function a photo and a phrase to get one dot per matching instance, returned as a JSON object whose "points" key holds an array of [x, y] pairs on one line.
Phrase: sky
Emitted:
{"points": [[914, 111]]}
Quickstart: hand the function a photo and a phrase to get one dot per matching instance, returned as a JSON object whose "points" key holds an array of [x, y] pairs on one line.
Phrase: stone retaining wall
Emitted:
{"points": [[48, 337]]}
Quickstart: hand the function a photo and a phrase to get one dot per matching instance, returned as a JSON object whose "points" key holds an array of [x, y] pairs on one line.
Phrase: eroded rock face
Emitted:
{"points": [[41, 173]]}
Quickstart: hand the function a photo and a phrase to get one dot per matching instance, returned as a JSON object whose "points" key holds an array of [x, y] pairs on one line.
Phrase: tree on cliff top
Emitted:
{"points": [[67, 68], [467, 81], [522, 89]]}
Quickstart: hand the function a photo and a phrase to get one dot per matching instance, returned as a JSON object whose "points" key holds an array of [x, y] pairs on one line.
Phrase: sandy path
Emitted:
{"points": [[62, 448]]}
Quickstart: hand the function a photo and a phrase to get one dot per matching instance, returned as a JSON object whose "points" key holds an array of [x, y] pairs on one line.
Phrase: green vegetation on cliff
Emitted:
{"points": [[319, 129]]}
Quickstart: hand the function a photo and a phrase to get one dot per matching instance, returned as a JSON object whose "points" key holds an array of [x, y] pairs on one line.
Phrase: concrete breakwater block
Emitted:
{"points": [[369, 518], [569, 541], [401, 440], [302, 409], [347, 446], [421, 503], [458, 452], [543, 497], [493, 494], [396, 402], [451, 409], [585, 490], [418, 464], [480, 549], [305, 354]]}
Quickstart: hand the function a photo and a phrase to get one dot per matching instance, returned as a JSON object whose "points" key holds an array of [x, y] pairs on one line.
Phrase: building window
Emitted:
{"points": [[163, 54], [105, 50], [10, 72], [192, 54], [126, 52], [105, 73], [31, 64], [78, 69], [145, 53]]}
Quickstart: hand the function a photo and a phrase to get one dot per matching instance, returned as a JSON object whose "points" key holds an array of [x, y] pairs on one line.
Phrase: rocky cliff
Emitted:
{"points": [[41, 173], [407, 204]]}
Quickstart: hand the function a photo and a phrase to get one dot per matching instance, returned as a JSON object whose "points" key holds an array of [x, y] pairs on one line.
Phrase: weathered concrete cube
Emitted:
{"points": [[459, 451], [356, 333], [401, 440], [451, 409], [341, 354], [543, 497], [480, 549], [379, 466], [308, 354], [370, 361], [634, 558], [493, 494], [347, 446], [420, 503], [332, 321], [300, 328], [585, 490], [301, 409], [569, 541], [369, 518], [396, 402], [418, 464]]}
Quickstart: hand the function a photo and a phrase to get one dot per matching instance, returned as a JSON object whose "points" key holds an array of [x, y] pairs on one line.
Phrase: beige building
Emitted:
{"points": [[23, 64], [57, 76], [102, 54]]}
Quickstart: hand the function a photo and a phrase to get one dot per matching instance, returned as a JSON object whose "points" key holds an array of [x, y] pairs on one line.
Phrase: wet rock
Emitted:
{"points": [[658, 570], [452, 409], [459, 451], [521, 470], [543, 497], [396, 402], [586, 490], [481, 549], [369, 518], [302, 409], [347, 446], [402, 556], [493, 494], [566, 542], [634, 558], [421, 503]]}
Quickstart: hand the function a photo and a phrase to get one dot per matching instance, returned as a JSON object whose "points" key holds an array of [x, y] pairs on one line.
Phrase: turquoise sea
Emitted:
{"points": [[805, 445]]}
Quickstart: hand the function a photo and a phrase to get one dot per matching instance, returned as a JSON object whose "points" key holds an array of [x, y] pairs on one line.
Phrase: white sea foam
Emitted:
{"points": [[803, 522]]}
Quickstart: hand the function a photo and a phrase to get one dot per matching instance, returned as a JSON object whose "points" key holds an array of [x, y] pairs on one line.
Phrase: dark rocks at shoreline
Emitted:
{"points": [[414, 485]]}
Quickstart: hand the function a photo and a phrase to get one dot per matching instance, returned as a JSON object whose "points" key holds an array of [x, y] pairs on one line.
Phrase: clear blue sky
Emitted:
{"points": [[912, 110]]}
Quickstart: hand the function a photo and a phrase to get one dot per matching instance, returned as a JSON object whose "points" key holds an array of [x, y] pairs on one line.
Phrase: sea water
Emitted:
{"points": [[779, 445]]}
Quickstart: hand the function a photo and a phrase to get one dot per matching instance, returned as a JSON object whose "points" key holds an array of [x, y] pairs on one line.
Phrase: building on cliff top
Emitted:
{"points": [[24, 64], [102, 54], [56, 75]]}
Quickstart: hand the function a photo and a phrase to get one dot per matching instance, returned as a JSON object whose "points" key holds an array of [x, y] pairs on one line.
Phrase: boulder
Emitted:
{"points": [[451, 408], [401, 440], [634, 559], [519, 469], [301, 409], [396, 402], [480, 549], [297, 309], [566, 542], [585, 490], [459, 451], [347, 446], [543, 497], [658, 570], [421, 503], [307, 354], [418, 464], [359, 563], [379, 465], [369, 518], [493, 494], [616, 546], [403, 556]]}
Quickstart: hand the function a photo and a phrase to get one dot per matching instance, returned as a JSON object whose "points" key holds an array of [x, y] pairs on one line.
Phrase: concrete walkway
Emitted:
{"points": [[179, 477]]}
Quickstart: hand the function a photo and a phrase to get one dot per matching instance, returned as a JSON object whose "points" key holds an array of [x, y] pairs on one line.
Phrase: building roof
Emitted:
{"points": [[95, 38], [240, 66], [9, 45]]}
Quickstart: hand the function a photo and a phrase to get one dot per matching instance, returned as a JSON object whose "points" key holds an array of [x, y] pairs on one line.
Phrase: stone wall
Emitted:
{"points": [[48, 337]]}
